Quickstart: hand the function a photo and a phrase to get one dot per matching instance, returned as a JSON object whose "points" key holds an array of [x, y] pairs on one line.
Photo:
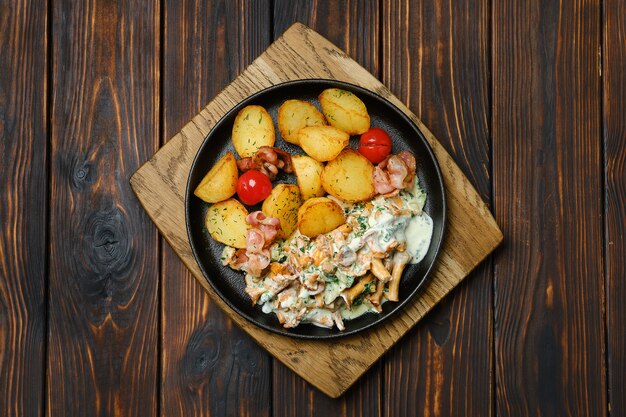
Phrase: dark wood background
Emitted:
{"points": [[98, 317]]}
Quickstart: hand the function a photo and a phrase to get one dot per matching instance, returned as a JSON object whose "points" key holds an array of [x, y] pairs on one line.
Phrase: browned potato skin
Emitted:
{"points": [[319, 215], [322, 143], [309, 203], [349, 177], [283, 203], [309, 174], [345, 111], [253, 128], [220, 183], [226, 223], [293, 115]]}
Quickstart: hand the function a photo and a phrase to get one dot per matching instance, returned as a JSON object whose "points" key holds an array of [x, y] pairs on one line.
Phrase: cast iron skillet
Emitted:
{"points": [[229, 284]]}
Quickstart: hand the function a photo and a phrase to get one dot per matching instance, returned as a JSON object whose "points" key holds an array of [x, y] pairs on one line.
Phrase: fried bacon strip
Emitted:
{"points": [[256, 257], [268, 160], [269, 226], [395, 173]]}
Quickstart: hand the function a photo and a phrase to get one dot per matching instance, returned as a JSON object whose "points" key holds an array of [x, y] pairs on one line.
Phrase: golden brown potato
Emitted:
{"points": [[307, 204], [253, 128], [293, 115], [283, 203], [349, 177], [319, 215], [345, 111], [220, 182], [226, 222], [322, 143], [309, 174]]}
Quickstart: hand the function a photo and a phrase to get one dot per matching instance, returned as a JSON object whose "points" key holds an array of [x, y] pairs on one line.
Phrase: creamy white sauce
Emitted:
{"points": [[418, 235], [267, 308], [387, 224], [355, 312]]}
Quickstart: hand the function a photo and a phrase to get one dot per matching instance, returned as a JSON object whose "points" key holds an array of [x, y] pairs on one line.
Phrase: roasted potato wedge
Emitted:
{"points": [[309, 174], [306, 205], [283, 203], [253, 128], [344, 111], [220, 183], [322, 143], [349, 177], [293, 115], [319, 215], [226, 222]]}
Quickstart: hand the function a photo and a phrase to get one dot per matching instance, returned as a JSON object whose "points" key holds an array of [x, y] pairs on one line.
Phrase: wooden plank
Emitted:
{"points": [[23, 206], [354, 27], [471, 230], [209, 366], [436, 59], [547, 193], [614, 115], [103, 307]]}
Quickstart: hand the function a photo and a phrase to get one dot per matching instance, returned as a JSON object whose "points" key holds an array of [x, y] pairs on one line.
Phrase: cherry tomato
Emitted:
{"points": [[375, 145], [253, 187]]}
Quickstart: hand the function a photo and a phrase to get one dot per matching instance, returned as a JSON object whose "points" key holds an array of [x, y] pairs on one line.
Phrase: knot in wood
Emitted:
{"points": [[109, 252], [200, 357], [82, 173], [247, 356], [439, 325]]}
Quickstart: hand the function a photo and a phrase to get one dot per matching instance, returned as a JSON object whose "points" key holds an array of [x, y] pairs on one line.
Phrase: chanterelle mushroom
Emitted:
{"points": [[400, 260]]}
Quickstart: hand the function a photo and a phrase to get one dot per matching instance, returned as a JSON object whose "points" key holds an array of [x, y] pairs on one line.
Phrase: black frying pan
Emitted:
{"points": [[229, 284]]}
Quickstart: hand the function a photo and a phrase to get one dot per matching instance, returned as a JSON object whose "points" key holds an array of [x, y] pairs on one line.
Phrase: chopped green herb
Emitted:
{"points": [[370, 287]]}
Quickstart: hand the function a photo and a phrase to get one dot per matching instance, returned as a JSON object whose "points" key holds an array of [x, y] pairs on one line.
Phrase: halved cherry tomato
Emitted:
{"points": [[253, 187], [375, 145]]}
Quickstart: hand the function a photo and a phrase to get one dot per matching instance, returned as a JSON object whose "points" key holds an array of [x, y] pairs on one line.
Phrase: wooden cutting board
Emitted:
{"points": [[332, 366]]}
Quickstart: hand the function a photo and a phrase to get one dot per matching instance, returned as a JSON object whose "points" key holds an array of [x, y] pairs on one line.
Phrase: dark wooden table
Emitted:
{"points": [[98, 317]]}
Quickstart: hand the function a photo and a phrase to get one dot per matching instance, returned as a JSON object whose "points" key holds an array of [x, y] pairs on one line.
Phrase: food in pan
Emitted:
{"points": [[334, 246], [220, 183], [309, 175], [283, 204], [339, 275], [293, 115], [322, 143], [375, 145], [345, 111], [349, 177], [226, 223], [253, 187], [253, 128], [319, 215]]}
